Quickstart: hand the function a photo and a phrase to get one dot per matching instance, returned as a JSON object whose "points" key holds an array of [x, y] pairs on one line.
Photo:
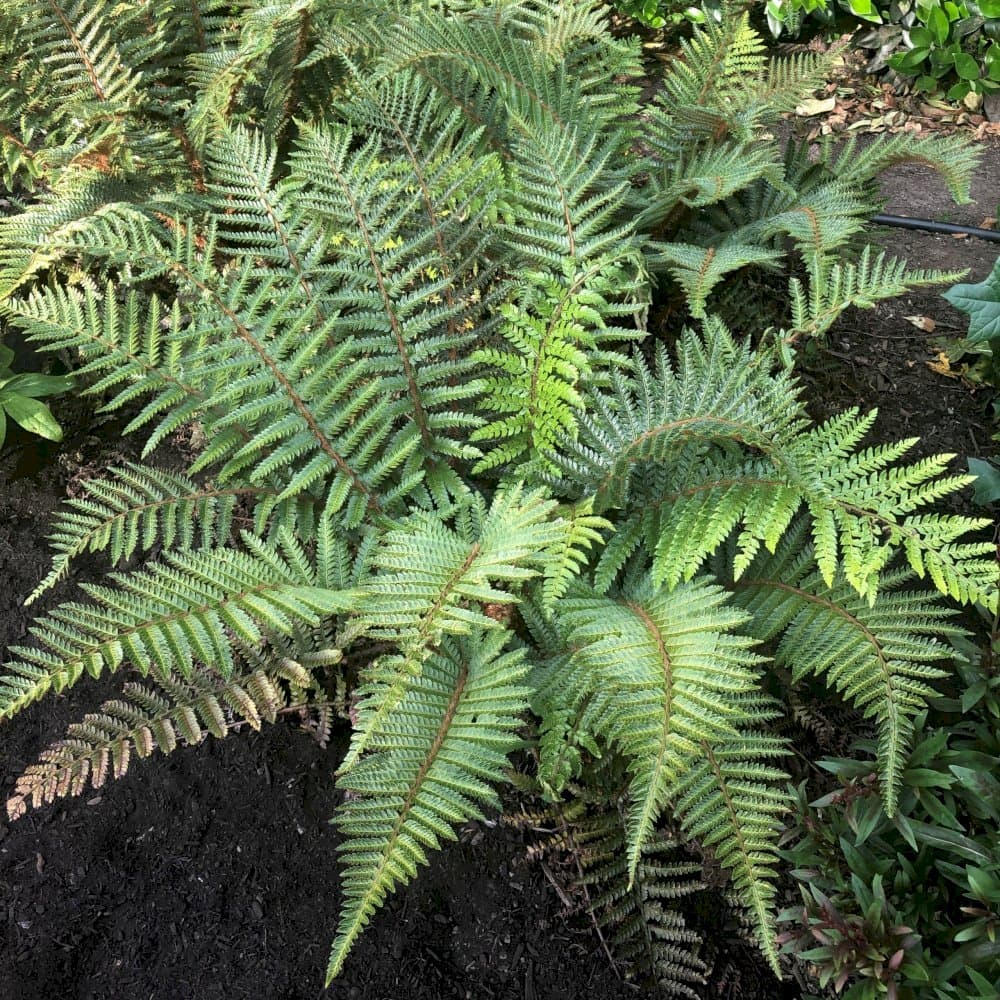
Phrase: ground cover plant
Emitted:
{"points": [[390, 269], [908, 904]]}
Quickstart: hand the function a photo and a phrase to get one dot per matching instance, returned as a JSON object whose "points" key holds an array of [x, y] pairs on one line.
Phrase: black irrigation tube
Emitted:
{"points": [[903, 222]]}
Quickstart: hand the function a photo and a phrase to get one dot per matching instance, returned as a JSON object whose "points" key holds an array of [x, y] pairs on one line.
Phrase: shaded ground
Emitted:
{"points": [[212, 873], [878, 358]]}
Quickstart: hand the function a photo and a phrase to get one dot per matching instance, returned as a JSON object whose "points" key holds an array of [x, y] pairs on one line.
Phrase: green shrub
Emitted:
{"points": [[670, 14], [391, 263], [943, 45]]}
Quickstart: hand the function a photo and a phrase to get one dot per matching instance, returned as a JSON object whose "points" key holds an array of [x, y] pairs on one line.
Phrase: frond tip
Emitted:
{"points": [[193, 608], [431, 765], [142, 720]]}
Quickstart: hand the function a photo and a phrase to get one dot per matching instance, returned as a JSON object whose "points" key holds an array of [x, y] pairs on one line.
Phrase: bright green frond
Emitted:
{"points": [[552, 346], [731, 799], [432, 764], [881, 656], [676, 452]]}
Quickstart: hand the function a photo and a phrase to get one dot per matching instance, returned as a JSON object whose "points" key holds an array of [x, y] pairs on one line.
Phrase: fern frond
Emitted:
{"points": [[569, 199], [62, 224], [731, 801], [522, 87], [142, 720], [394, 293], [552, 338], [835, 286], [567, 733], [432, 764], [138, 507], [694, 178], [433, 579], [584, 530], [665, 672], [882, 657], [646, 930], [648, 445], [718, 85], [699, 269], [951, 157], [74, 45], [255, 213], [250, 75], [718, 393], [194, 607]]}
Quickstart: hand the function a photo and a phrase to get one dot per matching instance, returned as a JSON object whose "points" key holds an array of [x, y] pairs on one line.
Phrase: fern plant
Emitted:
{"points": [[390, 271]]}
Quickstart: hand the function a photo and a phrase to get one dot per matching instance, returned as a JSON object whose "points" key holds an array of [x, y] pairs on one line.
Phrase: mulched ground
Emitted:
{"points": [[212, 873], [879, 358]]}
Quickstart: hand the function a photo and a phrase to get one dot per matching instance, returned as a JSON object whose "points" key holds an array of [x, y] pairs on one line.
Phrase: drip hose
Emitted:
{"points": [[903, 222]]}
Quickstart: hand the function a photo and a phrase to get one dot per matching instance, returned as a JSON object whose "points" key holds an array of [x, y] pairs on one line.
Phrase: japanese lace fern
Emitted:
{"points": [[387, 264]]}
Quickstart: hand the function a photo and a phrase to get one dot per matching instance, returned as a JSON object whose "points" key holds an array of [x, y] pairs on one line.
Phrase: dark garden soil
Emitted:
{"points": [[212, 873]]}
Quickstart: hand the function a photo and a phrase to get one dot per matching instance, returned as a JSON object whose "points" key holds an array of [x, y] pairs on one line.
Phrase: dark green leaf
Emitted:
{"points": [[982, 302], [950, 840], [907, 62], [987, 485]]}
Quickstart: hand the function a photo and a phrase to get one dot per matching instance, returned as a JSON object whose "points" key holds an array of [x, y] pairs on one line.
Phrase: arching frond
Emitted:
{"points": [[432, 763], [647, 446], [882, 657], [144, 719], [666, 674], [194, 607], [136, 508], [731, 800]]}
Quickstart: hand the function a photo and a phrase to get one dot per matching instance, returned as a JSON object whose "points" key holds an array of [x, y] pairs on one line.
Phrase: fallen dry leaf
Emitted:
{"points": [[924, 323], [815, 106], [942, 366]]}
